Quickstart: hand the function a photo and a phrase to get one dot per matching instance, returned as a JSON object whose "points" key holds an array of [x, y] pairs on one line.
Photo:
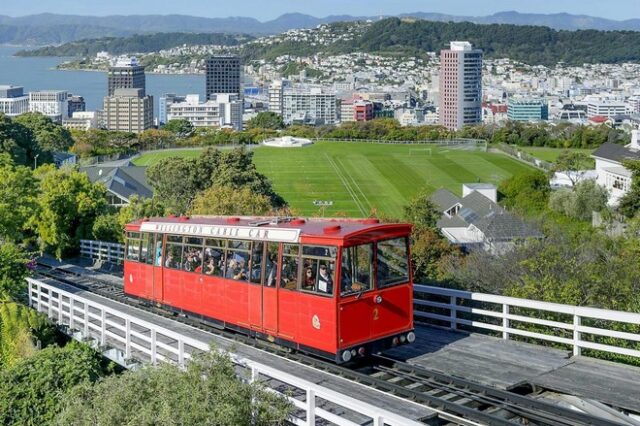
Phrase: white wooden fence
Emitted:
{"points": [[508, 316], [124, 337], [100, 250]]}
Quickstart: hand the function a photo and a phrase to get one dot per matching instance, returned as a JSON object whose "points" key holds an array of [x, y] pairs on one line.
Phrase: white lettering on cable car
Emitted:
{"points": [[213, 231]]}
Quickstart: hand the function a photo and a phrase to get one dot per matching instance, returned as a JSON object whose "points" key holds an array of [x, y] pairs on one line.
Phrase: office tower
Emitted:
{"points": [[128, 110], [224, 75], [276, 91], [13, 101], [126, 74], [460, 85], [76, 104], [52, 103], [521, 109]]}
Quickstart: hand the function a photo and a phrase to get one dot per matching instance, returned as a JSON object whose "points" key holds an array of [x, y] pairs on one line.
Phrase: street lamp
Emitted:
{"points": [[35, 161], [322, 204]]}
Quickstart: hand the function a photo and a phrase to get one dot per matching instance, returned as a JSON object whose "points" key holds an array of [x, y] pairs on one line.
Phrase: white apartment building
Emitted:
{"points": [[52, 103], [276, 92], [223, 110], [81, 120], [609, 165], [605, 107], [13, 101], [312, 106]]}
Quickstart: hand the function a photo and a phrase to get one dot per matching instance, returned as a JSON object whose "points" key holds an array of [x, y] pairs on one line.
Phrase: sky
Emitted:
{"points": [[270, 9]]}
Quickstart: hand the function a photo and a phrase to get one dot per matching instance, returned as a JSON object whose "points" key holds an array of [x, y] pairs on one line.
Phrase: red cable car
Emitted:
{"points": [[339, 289]]}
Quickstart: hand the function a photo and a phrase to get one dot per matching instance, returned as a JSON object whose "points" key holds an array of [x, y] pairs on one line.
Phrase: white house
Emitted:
{"points": [[611, 172]]}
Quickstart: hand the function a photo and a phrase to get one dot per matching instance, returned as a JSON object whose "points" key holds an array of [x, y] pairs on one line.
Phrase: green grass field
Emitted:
{"points": [[151, 158], [551, 154], [361, 177]]}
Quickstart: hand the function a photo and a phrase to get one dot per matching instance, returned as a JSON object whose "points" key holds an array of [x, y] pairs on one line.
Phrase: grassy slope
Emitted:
{"points": [[551, 154], [359, 178]]}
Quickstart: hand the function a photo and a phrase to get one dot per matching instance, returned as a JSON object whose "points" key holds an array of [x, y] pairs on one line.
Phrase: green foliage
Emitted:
{"points": [[421, 211], [14, 268], [630, 203], [20, 326], [96, 142], [69, 204], [564, 135], [106, 227], [208, 392], [266, 120], [48, 135], [33, 390], [18, 192], [580, 201], [526, 192], [18, 141], [223, 200], [175, 182], [180, 128]]}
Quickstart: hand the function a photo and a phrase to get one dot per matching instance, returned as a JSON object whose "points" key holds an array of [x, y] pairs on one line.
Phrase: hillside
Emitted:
{"points": [[53, 29]]}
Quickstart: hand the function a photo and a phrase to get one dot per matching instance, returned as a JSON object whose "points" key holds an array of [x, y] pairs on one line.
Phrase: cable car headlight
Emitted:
{"points": [[411, 337], [346, 356], [403, 339]]}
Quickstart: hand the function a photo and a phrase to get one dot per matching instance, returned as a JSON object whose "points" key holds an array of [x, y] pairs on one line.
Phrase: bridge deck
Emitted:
{"points": [[508, 364]]}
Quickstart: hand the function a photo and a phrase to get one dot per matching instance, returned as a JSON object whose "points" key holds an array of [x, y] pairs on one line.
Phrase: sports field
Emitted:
{"points": [[360, 177], [551, 154]]}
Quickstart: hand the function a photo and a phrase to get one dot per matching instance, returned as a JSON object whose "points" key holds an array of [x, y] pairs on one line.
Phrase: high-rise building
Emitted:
{"points": [[313, 107], [224, 110], [276, 91], [126, 74], [52, 103], [527, 109], [460, 85], [76, 104], [224, 75], [128, 110], [165, 102], [13, 101]]}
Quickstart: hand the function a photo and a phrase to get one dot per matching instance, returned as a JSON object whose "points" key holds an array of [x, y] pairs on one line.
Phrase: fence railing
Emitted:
{"points": [[103, 251], [521, 155], [439, 142], [131, 337], [575, 326]]}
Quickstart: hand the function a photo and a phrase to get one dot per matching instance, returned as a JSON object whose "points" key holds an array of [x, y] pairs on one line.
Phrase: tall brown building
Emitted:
{"points": [[460, 85], [126, 74], [128, 110]]}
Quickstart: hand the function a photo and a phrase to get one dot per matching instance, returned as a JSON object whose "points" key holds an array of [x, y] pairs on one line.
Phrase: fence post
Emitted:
{"points": [[453, 312], [103, 327], [127, 336], [577, 322], [311, 407], [505, 321], [153, 347]]}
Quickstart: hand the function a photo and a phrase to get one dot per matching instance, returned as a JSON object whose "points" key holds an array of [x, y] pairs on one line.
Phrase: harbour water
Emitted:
{"points": [[40, 74]]}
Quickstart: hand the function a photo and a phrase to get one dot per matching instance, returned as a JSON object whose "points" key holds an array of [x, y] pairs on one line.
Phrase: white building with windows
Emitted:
{"points": [[52, 103], [13, 101], [610, 168], [223, 110], [603, 107], [313, 106]]}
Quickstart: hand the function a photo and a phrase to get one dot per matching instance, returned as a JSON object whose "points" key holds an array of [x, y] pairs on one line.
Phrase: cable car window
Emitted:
{"points": [[192, 254], [133, 246], [290, 272], [392, 262], [214, 257], [271, 265], [254, 269], [173, 252], [356, 273], [238, 255], [318, 269], [159, 255], [147, 252]]}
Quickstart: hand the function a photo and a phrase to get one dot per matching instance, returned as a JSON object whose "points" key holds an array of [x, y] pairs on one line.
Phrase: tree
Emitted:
{"points": [[15, 264], [266, 120], [527, 191], [223, 200], [421, 211], [17, 141], [181, 128], [18, 202], [630, 202], [48, 135], [580, 201], [571, 162], [69, 204], [32, 391], [207, 392], [21, 329], [175, 182]]}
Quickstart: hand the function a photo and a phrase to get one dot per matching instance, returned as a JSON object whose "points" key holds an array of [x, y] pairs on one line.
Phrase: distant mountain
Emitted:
{"points": [[48, 28]]}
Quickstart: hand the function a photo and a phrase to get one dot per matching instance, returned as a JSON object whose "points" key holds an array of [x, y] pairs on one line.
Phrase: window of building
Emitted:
{"points": [[392, 262]]}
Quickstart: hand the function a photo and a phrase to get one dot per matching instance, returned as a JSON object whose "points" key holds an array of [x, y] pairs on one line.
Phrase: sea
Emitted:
{"points": [[39, 73]]}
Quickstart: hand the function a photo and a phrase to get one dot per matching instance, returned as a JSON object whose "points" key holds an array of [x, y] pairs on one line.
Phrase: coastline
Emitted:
{"points": [[146, 72]]}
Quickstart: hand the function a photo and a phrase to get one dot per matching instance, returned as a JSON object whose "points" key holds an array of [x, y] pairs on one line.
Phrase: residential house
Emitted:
{"points": [[609, 165], [122, 182]]}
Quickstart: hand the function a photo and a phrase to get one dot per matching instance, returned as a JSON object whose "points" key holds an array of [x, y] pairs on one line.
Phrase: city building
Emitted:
{"points": [[222, 110], [460, 85], [13, 101], [605, 107], [609, 165], [128, 110], [276, 92], [520, 109], [224, 75], [163, 105], [313, 107], [122, 182], [476, 221], [127, 73], [356, 110], [81, 120], [76, 104], [52, 103]]}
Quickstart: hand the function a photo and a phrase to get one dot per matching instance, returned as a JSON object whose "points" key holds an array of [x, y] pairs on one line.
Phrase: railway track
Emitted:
{"points": [[455, 400]]}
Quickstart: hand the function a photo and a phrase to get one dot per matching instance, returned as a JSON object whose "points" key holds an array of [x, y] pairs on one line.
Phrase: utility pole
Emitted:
{"points": [[35, 161]]}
